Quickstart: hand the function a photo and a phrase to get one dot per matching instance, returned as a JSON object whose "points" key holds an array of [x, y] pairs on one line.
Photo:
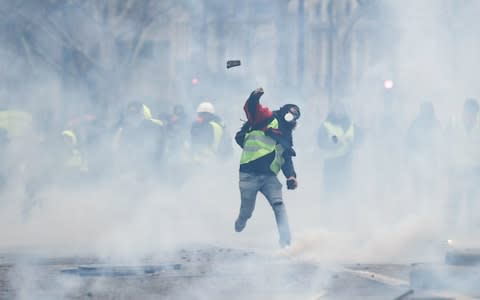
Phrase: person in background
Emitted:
{"points": [[424, 129], [178, 133], [336, 138], [463, 142], [424, 137], [73, 156], [94, 141], [209, 140], [139, 142]]}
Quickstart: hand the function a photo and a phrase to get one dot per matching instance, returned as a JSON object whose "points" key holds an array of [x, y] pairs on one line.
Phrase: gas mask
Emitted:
{"points": [[289, 117], [292, 113]]}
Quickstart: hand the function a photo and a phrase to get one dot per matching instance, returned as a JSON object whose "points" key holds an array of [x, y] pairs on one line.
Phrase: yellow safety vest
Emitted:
{"points": [[345, 139], [258, 145], [16, 123], [147, 114], [76, 159], [217, 135], [204, 153]]}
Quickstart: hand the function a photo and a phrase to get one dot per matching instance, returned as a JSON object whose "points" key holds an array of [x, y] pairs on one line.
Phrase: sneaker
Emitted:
{"points": [[239, 225]]}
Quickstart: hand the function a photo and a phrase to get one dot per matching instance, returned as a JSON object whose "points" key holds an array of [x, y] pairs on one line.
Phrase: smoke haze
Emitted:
{"points": [[60, 61]]}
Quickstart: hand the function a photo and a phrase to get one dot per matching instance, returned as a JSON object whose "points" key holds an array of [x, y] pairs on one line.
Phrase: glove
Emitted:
{"points": [[292, 183], [258, 91], [256, 94], [290, 152]]}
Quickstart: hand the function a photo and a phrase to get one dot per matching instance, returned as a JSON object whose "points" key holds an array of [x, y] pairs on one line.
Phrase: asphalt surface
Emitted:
{"points": [[205, 273]]}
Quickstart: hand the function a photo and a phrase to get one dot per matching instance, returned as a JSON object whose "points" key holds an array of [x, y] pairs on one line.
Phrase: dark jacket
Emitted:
{"points": [[142, 143], [258, 118], [202, 134], [423, 135]]}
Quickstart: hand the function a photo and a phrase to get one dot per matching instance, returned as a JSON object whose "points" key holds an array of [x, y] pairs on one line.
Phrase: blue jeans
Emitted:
{"points": [[271, 188]]}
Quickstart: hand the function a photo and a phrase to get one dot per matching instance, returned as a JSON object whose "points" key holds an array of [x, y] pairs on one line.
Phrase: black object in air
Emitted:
{"points": [[233, 63]]}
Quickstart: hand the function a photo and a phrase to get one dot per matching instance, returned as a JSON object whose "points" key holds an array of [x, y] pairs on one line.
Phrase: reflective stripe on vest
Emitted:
{"points": [[147, 115], [157, 121], [344, 139], [76, 159], [258, 145], [203, 153], [71, 136]]}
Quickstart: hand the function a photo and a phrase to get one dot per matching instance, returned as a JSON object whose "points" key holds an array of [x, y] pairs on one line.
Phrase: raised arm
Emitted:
{"points": [[257, 114]]}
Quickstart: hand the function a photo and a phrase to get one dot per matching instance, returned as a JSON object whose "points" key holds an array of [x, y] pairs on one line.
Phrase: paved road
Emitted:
{"points": [[208, 273]]}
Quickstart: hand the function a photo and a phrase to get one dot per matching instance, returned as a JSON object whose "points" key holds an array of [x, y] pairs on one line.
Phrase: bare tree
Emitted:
{"points": [[85, 42]]}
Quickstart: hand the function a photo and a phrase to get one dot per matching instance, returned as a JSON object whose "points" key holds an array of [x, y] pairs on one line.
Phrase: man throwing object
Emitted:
{"points": [[266, 140]]}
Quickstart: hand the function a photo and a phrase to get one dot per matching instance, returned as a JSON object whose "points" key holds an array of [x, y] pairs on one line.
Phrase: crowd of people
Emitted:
{"points": [[86, 149], [434, 157], [141, 143]]}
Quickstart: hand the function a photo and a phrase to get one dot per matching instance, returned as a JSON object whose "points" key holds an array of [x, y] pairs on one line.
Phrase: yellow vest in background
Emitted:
{"points": [[16, 123], [207, 152], [345, 140], [76, 160], [147, 114]]}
